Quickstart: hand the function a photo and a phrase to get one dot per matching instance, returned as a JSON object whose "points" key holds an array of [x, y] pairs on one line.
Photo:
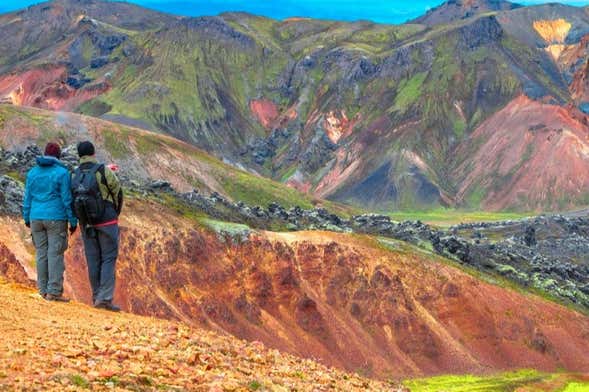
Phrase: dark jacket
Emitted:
{"points": [[110, 189]]}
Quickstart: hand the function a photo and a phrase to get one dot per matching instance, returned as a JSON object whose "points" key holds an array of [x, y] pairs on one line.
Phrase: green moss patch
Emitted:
{"points": [[448, 217], [467, 383], [409, 92]]}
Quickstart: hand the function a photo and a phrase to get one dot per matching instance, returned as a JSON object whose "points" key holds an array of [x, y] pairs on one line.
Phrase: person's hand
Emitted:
{"points": [[73, 229], [28, 224]]}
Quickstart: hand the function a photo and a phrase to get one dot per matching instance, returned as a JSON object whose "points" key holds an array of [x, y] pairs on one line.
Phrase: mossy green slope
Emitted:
{"points": [[400, 99], [523, 380]]}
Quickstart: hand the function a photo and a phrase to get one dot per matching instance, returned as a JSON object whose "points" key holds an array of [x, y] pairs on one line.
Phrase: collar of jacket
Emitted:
{"points": [[46, 160], [86, 159]]}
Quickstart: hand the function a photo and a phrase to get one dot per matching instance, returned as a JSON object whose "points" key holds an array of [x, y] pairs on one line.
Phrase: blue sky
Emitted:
{"points": [[384, 11]]}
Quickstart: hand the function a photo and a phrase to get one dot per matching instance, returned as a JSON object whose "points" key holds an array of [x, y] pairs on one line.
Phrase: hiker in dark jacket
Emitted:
{"points": [[100, 228], [47, 211]]}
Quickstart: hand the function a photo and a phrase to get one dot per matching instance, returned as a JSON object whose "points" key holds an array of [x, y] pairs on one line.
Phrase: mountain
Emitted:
{"points": [[378, 116], [514, 145], [453, 10]]}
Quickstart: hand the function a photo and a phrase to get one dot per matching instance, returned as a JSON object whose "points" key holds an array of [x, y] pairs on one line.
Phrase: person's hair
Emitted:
{"points": [[85, 148], [52, 149]]}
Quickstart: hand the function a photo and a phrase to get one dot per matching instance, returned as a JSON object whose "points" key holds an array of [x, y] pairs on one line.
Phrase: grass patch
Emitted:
{"points": [[409, 92], [16, 176], [221, 227], [254, 385], [255, 190], [577, 387], [289, 172], [116, 143], [299, 374], [79, 381], [94, 108], [449, 217], [179, 206], [147, 144], [459, 126], [465, 383], [475, 197]]}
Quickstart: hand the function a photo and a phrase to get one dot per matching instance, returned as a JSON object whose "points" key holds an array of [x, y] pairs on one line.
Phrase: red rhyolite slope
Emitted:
{"points": [[342, 299], [46, 88], [527, 156]]}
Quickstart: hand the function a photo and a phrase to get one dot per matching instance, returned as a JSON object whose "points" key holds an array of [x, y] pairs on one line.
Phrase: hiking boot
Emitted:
{"points": [[106, 305], [56, 298]]}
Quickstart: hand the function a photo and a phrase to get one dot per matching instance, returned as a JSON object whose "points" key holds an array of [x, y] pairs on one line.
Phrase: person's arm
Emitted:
{"points": [[67, 199], [26, 207], [115, 189]]}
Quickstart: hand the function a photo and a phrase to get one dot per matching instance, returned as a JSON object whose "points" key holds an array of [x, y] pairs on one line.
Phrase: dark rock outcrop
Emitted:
{"points": [[216, 28], [11, 196], [453, 10]]}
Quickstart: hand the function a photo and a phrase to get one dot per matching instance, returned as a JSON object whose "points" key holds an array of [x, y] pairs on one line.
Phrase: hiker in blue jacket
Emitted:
{"points": [[47, 209]]}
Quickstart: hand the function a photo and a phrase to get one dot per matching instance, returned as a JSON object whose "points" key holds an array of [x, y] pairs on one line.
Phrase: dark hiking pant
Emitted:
{"points": [[101, 245], [50, 240]]}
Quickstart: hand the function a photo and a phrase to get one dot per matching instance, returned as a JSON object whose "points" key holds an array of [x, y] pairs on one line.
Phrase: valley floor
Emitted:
{"points": [[61, 347], [447, 217]]}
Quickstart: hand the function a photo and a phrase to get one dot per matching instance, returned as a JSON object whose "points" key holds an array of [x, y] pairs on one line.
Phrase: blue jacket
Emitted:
{"points": [[47, 192]]}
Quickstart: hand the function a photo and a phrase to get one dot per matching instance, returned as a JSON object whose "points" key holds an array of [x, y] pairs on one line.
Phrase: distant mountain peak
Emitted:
{"points": [[452, 10]]}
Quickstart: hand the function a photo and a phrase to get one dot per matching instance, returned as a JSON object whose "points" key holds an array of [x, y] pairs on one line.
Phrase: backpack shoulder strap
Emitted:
{"points": [[97, 167], [101, 170]]}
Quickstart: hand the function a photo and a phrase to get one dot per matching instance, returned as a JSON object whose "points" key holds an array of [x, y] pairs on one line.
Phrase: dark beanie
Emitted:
{"points": [[53, 150], [85, 149]]}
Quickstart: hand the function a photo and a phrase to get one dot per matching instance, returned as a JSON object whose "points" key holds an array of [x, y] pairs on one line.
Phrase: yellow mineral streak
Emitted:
{"points": [[553, 31], [336, 125], [16, 96], [556, 50]]}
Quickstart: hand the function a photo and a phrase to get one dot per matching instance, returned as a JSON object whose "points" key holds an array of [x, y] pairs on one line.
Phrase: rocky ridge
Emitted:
{"points": [[462, 9]]}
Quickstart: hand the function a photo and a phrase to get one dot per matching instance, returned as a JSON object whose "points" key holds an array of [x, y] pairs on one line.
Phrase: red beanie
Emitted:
{"points": [[53, 150]]}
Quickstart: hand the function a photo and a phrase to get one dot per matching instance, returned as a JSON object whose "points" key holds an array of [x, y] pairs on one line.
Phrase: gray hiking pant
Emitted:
{"points": [[50, 239], [101, 245]]}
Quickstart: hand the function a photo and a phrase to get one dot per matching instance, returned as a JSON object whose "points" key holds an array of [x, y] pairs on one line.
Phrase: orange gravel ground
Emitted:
{"points": [[63, 347]]}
